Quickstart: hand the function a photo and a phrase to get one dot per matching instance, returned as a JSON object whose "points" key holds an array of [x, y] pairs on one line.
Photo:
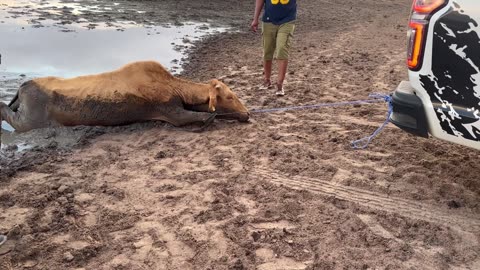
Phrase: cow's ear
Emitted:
{"points": [[212, 99], [213, 92], [215, 83]]}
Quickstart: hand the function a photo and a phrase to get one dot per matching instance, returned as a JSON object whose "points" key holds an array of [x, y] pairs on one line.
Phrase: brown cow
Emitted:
{"points": [[140, 91]]}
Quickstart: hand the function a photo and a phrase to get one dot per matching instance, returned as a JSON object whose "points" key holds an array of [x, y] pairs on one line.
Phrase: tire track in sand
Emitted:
{"points": [[407, 208]]}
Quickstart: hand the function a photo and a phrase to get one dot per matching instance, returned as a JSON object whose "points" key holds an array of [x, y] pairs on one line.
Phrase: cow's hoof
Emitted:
{"points": [[207, 123]]}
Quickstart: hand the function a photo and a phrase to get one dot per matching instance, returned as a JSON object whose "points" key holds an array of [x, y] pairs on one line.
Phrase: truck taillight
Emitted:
{"points": [[422, 11], [416, 36], [427, 6]]}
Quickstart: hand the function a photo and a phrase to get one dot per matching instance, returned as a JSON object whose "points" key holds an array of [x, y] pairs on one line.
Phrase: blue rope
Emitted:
{"points": [[374, 98], [321, 105], [364, 142]]}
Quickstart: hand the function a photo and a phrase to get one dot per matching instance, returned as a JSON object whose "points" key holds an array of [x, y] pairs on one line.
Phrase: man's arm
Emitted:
{"points": [[258, 9]]}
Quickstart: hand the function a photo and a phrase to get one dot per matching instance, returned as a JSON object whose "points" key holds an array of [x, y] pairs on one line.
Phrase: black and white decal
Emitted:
{"points": [[453, 82]]}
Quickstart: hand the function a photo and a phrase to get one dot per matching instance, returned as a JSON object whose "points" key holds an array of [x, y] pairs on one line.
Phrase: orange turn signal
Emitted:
{"points": [[416, 43]]}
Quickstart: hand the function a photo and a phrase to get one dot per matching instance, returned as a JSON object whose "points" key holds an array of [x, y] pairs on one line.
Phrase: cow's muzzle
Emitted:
{"points": [[244, 117]]}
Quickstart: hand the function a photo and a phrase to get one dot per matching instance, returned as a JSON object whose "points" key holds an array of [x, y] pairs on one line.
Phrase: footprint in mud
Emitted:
{"points": [[268, 260], [282, 225], [153, 240]]}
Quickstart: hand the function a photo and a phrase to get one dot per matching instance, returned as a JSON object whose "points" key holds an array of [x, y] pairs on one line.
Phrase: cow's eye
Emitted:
{"points": [[230, 97]]}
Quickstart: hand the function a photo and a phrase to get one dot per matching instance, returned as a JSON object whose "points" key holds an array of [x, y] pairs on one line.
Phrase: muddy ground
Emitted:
{"points": [[285, 191]]}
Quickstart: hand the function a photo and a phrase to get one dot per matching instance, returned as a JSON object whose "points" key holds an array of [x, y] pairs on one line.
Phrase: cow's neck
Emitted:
{"points": [[192, 93]]}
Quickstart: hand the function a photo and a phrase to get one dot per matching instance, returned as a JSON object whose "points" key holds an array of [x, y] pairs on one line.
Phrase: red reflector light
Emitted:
{"points": [[427, 6], [422, 10], [415, 43]]}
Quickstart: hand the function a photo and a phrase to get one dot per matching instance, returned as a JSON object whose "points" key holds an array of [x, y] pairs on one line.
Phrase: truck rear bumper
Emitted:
{"points": [[408, 110]]}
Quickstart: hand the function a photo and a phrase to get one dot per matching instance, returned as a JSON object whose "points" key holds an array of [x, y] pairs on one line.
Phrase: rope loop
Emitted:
{"points": [[364, 142]]}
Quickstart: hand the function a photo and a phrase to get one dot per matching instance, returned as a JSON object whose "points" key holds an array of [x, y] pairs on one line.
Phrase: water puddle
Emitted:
{"points": [[35, 43]]}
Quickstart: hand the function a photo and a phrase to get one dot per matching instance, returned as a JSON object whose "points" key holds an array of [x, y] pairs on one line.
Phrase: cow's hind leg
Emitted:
{"points": [[11, 117], [16, 119]]}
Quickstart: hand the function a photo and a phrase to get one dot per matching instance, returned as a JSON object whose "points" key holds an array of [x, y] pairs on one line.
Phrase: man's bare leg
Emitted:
{"points": [[282, 72], [267, 70]]}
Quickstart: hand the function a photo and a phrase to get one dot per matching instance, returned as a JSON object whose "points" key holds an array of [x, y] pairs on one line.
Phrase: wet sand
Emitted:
{"points": [[283, 192]]}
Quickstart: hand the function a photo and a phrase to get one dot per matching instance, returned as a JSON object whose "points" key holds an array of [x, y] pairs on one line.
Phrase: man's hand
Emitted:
{"points": [[254, 26], [258, 9]]}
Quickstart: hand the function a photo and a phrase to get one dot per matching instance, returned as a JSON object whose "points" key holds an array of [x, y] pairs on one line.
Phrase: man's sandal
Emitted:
{"points": [[280, 92], [266, 85]]}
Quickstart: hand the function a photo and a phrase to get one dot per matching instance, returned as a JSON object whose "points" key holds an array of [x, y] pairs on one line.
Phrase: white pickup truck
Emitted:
{"points": [[442, 96]]}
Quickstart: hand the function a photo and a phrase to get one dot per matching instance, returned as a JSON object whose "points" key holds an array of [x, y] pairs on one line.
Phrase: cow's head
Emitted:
{"points": [[223, 101]]}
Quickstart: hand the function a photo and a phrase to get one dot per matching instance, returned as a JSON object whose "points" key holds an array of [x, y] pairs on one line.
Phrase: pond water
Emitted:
{"points": [[32, 44]]}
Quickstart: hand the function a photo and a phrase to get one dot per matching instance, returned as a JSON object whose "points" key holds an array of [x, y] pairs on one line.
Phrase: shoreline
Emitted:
{"points": [[41, 139]]}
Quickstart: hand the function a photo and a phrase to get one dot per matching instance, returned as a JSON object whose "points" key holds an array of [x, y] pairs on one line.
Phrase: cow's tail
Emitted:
{"points": [[14, 103]]}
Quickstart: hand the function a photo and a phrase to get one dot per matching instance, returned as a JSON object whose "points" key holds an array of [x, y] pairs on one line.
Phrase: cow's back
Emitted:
{"points": [[140, 80]]}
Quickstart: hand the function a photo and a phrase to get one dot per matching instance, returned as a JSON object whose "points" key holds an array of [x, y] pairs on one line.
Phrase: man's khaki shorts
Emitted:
{"points": [[277, 40]]}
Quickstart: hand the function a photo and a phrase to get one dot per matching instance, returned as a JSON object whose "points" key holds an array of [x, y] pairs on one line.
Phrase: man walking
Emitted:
{"points": [[278, 25]]}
